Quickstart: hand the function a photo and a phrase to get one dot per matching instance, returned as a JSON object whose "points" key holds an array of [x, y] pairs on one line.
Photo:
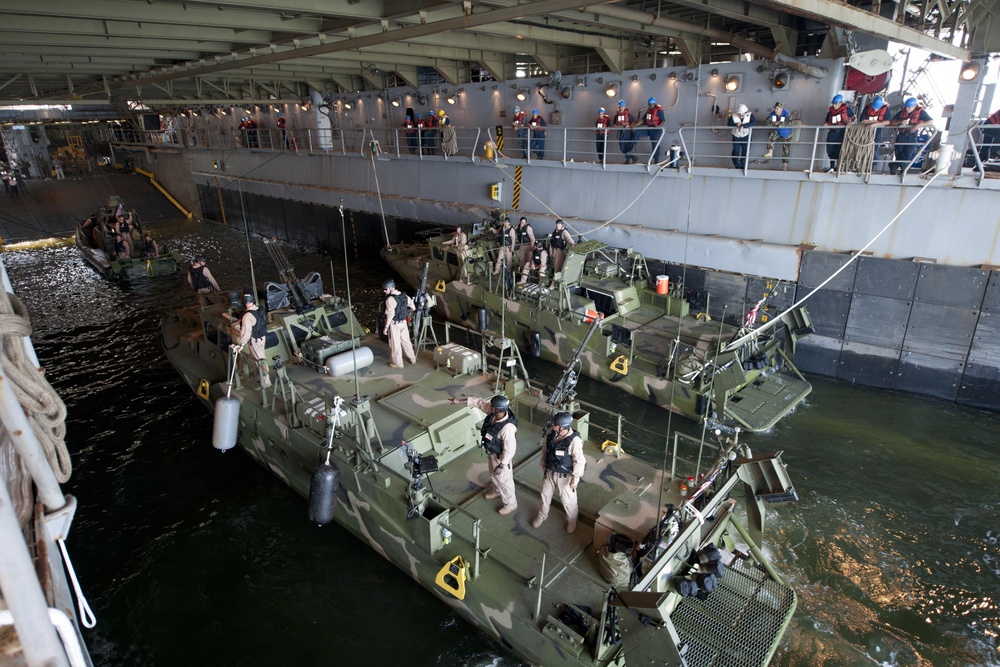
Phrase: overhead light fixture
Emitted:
{"points": [[522, 95], [396, 102], [673, 76], [970, 71], [715, 74], [780, 81], [611, 90], [452, 99], [566, 92], [635, 78], [733, 82], [348, 104]]}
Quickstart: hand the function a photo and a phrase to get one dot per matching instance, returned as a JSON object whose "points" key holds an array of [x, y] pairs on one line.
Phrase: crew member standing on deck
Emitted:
{"points": [[626, 136], [200, 278], [253, 330], [525, 240], [602, 125], [499, 439], [562, 464], [558, 243], [397, 307], [505, 247], [838, 116], [461, 242], [537, 261]]}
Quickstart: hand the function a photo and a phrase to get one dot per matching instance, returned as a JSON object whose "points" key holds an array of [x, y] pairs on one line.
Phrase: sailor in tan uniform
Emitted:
{"points": [[562, 464], [499, 439]]}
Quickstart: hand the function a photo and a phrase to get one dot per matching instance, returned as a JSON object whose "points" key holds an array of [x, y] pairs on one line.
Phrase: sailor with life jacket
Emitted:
{"points": [[520, 123], [253, 330], [397, 307], [525, 240], [538, 259], [626, 137], [602, 125], [838, 116], [499, 439], [910, 118], [652, 120], [505, 246], [558, 243], [200, 278], [562, 464]]}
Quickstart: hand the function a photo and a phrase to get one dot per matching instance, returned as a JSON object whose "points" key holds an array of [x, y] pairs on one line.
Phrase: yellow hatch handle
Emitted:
{"points": [[439, 287], [452, 577], [703, 317], [620, 364], [203, 388]]}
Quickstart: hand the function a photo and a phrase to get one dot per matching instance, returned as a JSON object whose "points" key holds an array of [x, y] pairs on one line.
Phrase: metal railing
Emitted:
{"points": [[987, 148], [687, 146]]}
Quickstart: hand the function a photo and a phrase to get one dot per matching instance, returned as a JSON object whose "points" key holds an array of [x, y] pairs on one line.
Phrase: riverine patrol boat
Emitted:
{"points": [[664, 567], [95, 237], [650, 344]]}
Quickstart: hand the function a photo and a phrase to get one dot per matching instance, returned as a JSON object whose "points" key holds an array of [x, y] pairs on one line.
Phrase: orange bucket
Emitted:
{"points": [[662, 284]]}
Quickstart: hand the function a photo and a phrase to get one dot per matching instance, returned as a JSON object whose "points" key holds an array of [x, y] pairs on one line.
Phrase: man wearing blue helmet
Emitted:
{"points": [[537, 124], [602, 125], [626, 136], [909, 120], [838, 116], [876, 113], [781, 134], [652, 126]]}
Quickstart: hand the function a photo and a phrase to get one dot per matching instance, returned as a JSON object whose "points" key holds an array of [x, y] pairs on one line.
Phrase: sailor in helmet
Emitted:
{"points": [[520, 123], [499, 439], [252, 329], [741, 122], [602, 125], [838, 116], [397, 307], [562, 464]]}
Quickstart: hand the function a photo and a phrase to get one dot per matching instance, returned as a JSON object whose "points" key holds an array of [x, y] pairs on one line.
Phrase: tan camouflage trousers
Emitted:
{"points": [[399, 344], [503, 481], [567, 496]]}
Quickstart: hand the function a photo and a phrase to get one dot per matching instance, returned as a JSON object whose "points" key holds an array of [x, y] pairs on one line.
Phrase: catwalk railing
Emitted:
{"points": [[809, 147]]}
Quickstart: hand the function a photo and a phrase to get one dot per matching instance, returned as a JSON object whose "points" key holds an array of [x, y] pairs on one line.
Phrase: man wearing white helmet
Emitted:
{"points": [[741, 122], [602, 125], [520, 123]]}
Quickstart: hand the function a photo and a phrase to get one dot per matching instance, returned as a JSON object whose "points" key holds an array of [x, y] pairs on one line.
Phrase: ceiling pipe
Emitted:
{"points": [[715, 34]]}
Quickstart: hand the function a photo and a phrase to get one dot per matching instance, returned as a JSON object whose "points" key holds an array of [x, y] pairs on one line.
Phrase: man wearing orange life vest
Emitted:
{"points": [[411, 134], [652, 126], [520, 123], [838, 116], [910, 118], [537, 124], [875, 113], [602, 125], [626, 136]]}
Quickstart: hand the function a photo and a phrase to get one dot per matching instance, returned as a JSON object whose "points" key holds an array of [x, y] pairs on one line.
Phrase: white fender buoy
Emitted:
{"points": [[323, 494], [343, 363], [227, 422]]}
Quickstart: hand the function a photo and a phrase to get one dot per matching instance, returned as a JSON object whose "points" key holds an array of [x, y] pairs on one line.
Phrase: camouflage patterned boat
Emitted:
{"points": [[96, 242], [650, 344], [679, 580]]}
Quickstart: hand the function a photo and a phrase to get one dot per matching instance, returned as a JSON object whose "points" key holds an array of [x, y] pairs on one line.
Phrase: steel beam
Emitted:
{"points": [[840, 14]]}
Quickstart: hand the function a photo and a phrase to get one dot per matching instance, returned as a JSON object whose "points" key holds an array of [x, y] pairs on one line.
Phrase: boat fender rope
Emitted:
{"points": [[87, 618]]}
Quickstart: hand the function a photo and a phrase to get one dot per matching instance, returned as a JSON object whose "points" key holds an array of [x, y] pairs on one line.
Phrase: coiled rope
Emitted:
{"points": [[44, 409], [858, 152]]}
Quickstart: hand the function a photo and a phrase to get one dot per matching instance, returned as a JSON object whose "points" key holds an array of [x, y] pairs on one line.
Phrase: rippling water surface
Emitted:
{"points": [[189, 556]]}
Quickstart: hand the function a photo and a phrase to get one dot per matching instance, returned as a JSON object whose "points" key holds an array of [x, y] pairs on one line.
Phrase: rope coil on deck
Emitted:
{"points": [[44, 409], [858, 150]]}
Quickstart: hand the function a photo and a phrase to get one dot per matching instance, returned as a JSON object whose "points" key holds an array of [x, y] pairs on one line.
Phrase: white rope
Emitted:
{"points": [[44, 409], [858, 150], [87, 618], [774, 320]]}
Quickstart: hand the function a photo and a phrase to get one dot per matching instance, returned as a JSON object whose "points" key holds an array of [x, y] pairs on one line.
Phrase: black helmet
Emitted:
{"points": [[200, 259], [248, 298], [563, 420], [560, 222], [389, 284], [500, 402]]}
